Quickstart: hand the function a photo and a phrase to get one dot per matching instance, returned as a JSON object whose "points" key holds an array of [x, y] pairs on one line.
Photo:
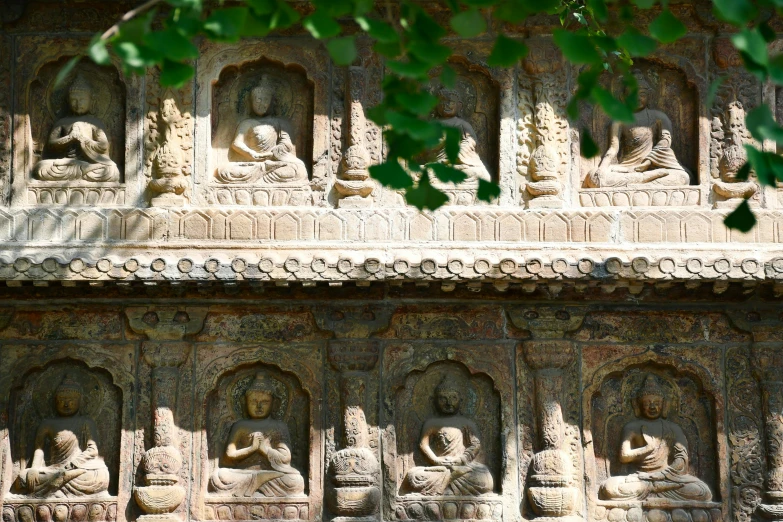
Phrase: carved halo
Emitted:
{"points": [[644, 383], [50, 379], [238, 388], [57, 96], [470, 403], [282, 95]]}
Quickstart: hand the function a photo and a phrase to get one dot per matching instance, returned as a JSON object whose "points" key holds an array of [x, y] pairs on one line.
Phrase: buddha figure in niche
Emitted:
{"points": [[640, 152], [71, 470], [78, 148], [468, 161], [257, 458], [451, 443], [658, 449], [265, 145]]}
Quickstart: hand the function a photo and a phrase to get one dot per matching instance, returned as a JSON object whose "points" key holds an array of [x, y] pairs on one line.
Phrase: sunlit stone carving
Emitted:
{"points": [[78, 148], [451, 443], [75, 467], [257, 458], [640, 152], [658, 449], [265, 145]]}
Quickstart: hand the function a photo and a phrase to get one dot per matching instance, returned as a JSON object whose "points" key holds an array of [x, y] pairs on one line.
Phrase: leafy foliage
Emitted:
{"points": [[161, 33]]}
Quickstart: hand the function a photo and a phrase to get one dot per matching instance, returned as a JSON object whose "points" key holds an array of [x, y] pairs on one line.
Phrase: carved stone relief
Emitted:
{"points": [[651, 162], [654, 441], [64, 448], [471, 107], [5, 119], [262, 437], [443, 455], [168, 143], [738, 94], [78, 136], [542, 156], [262, 129]]}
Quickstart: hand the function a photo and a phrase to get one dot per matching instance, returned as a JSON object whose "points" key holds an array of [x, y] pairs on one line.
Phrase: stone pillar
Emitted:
{"points": [[767, 358], [553, 491], [354, 470], [354, 185], [165, 352]]}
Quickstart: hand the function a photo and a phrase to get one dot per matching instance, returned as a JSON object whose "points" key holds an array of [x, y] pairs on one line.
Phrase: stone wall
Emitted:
{"points": [[209, 311]]}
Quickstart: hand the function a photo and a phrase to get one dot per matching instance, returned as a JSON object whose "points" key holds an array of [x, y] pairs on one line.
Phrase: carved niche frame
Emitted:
{"points": [[34, 53], [216, 363], [309, 58], [685, 58], [493, 363], [116, 363], [667, 365]]}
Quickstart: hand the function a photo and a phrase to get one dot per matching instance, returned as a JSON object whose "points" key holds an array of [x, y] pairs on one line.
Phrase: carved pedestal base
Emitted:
{"points": [[355, 202], [60, 510], [546, 202], [259, 196], [658, 510], [165, 517], [771, 511], [70, 193], [232, 508], [168, 200], [640, 197], [412, 507]]}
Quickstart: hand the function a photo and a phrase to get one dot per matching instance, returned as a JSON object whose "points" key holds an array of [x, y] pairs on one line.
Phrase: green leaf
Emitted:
{"points": [[766, 32], [752, 46], [667, 28], [762, 125], [587, 145], [342, 50], [452, 143], [175, 74], [636, 43], [392, 175], [97, 51], [447, 174], [506, 52], [262, 7], [63, 73], [577, 48], [420, 103], [134, 30], [616, 109], [512, 11], [173, 45], [737, 12], [137, 56], [741, 218], [187, 4], [409, 69], [414, 127], [226, 25], [432, 53], [256, 25], [381, 31], [426, 28], [321, 25], [775, 68], [487, 190], [424, 195], [469, 24], [285, 16], [448, 77], [644, 4], [598, 7]]}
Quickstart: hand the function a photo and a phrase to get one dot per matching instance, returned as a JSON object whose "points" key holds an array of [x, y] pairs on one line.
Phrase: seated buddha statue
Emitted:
{"points": [[468, 161], [640, 152], [265, 146], [78, 148], [257, 458], [658, 451], [75, 468], [451, 444]]}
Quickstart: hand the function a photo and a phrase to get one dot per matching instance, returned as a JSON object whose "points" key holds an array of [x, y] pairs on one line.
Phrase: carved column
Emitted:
{"points": [[165, 352], [354, 473], [767, 361], [554, 492], [354, 184]]}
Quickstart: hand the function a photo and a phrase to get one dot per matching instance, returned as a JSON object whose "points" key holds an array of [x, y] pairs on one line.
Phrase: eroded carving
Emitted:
{"points": [[78, 147], [256, 461], [640, 152], [728, 187], [66, 461], [657, 449]]}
